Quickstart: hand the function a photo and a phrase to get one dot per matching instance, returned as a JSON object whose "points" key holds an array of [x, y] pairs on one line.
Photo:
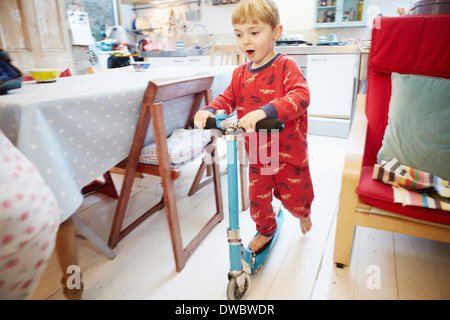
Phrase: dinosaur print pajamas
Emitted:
{"points": [[278, 163]]}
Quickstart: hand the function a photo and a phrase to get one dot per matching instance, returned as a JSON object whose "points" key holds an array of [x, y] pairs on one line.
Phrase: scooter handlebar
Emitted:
{"points": [[265, 124], [269, 125]]}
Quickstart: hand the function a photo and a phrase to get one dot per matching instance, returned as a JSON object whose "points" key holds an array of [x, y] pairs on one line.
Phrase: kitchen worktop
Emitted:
{"points": [[175, 53], [304, 49], [301, 49]]}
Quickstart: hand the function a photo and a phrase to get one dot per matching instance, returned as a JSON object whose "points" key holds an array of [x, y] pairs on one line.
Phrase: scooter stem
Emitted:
{"points": [[234, 240]]}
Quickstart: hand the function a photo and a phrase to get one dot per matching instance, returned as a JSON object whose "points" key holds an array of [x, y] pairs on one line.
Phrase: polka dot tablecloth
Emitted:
{"points": [[77, 128]]}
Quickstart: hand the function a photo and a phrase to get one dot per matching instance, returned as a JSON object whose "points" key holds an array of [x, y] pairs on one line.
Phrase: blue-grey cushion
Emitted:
{"points": [[418, 129], [183, 147]]}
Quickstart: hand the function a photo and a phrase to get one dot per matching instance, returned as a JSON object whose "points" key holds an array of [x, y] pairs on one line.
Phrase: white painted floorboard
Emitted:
{"points": [[300, 266]]}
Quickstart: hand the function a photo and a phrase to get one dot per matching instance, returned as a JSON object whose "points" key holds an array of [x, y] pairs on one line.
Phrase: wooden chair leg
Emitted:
{"points": [[66, 251], [121, 208], [196, 183], [107, 187], [344, 229], [174, 223]]}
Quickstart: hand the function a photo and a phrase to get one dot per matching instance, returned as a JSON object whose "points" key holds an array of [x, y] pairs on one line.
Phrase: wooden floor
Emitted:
{"points": [[300, 266]]}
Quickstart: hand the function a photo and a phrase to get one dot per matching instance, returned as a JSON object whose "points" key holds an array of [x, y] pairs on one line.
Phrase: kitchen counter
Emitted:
{"points": [[301, 49], [175, 53]]}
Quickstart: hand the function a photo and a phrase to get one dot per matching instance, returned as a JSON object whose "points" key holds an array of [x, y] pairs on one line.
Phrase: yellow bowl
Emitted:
{"points": [[45, 75]]}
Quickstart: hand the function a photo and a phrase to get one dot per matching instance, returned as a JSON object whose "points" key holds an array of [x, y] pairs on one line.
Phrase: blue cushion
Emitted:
{"points": [[418, 130], [183, 146]]}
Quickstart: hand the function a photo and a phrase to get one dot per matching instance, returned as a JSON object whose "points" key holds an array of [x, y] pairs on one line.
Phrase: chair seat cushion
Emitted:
{"points": [[183, 146], [381, 195]]}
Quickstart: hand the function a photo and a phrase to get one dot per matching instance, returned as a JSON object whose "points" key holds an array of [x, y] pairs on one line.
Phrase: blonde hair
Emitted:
{"points": [[255, 11]]}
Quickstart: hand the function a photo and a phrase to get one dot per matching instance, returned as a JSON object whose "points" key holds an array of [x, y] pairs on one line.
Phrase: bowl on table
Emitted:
{"points": [[45, 75], [140, 65]]}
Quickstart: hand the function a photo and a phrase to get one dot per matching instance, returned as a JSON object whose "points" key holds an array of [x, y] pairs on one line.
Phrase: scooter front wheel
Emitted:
{"points": [[238, 289]]}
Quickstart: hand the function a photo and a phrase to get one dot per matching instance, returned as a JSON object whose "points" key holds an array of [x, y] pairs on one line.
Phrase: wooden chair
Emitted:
{"points": [[156, 95], [394, 49], [229, 54]]}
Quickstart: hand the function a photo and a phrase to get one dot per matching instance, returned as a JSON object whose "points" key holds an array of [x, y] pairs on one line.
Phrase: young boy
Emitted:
{"points": [[271, 85]]}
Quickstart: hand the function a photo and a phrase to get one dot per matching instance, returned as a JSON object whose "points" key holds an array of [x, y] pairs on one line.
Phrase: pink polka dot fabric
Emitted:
{"points": [[29, 220]]}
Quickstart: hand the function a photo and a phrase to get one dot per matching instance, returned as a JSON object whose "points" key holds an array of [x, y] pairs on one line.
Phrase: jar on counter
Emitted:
{"points": [[330, 16], [360, 10], [351, 14]]}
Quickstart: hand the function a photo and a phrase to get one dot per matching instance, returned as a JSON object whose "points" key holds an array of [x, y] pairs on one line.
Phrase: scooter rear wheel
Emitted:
{"points": [[236, 292]]}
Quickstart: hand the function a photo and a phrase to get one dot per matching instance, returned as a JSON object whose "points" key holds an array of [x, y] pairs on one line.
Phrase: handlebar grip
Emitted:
{"points": [[210, 123], [265, 124], [269, 125]]}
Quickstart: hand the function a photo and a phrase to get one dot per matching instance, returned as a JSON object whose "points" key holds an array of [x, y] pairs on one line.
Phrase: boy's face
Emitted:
{"points": [[257, 41]]}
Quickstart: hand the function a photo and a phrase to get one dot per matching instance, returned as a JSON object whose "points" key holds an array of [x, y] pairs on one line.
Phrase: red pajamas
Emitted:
{"points": [[278, 163], [291, 185]]}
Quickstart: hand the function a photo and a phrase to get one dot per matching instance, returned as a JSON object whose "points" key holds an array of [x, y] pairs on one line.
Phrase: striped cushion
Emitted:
{"points": [[381, 195], [412, 186], [183, 146]]}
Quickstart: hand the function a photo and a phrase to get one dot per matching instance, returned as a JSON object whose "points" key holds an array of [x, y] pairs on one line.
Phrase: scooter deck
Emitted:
{"points": [[252, 261]]}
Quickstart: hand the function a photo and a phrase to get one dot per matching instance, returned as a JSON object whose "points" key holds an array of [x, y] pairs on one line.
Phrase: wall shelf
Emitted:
{"points": [[338, 16], [222, 3]]}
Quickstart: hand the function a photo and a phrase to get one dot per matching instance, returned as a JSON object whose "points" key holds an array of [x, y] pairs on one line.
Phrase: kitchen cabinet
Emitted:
{"points": [[157, 62], [332, 75], [331, 79], [166, 61], [302, 61], [198, 60], [340, 13]]}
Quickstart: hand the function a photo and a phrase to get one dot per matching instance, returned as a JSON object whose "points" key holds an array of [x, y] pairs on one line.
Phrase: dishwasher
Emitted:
{"points": [[331, 83]]}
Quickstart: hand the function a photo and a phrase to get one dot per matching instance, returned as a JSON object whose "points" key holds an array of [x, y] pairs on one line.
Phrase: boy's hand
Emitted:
{"points": [[201, 117], [248, 122]]}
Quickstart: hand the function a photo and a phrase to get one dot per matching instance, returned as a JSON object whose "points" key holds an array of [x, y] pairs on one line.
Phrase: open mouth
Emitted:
{"points": [[250, 53]]}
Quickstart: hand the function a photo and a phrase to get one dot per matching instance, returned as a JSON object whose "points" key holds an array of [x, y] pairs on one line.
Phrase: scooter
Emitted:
{"points": [[243, 261]]}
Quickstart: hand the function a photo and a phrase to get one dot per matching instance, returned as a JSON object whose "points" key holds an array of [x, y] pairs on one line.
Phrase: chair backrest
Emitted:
{"points": [[229, 55], [180, 98], [408, 45]]}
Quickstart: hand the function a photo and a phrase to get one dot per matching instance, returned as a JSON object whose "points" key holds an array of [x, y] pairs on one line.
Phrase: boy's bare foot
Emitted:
{"points": [[259, 241], [305, 225]]}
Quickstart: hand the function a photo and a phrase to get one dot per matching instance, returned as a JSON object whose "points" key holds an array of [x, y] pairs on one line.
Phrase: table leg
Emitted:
{"points": [[66, 250], [92, 237]]}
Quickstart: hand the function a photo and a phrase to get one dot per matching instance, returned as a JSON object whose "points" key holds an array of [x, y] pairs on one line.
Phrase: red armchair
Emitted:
{"points": [[407, 45]]}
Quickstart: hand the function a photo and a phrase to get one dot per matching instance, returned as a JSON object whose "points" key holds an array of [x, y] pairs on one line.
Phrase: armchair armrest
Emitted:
{"points": [[356, 141], [350, 180]]}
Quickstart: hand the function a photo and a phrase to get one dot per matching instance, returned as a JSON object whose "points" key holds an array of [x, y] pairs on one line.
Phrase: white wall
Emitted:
{"points": [[296, 16]]}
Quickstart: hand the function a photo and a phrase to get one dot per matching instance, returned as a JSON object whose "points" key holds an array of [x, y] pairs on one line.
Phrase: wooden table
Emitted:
{"points": [[77, 128]]}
